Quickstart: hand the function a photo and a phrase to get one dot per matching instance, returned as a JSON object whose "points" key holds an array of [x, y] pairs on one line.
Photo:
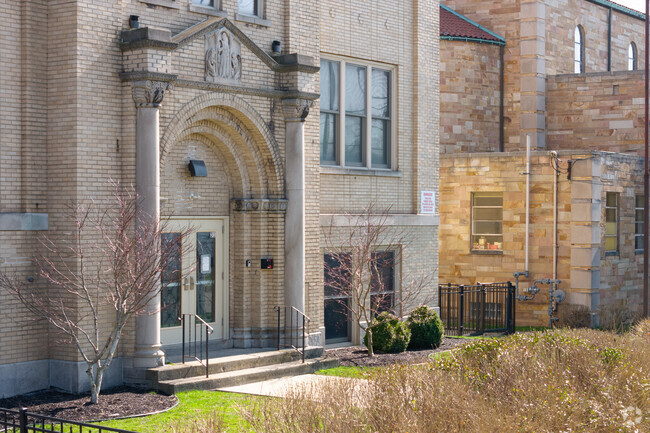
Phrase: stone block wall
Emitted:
{"points": [[469, 97], [589, 276], [599, 111], [563, 16], [540, 44]]}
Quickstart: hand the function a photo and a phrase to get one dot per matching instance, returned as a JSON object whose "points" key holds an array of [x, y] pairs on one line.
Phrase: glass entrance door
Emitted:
{"points": [[196, 282]]}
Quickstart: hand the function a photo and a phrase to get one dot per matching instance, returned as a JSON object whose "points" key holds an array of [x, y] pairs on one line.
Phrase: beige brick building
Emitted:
{"points": [[566, 74], [87, 95]]}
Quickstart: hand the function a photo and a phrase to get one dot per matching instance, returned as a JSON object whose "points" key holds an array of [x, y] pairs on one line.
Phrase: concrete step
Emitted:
{"points": [[227, 363], [244, 376]]}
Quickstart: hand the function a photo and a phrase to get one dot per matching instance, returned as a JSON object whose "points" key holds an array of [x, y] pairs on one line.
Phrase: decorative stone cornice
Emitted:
{"points": [[258, 205], [296, 110], [149, 93]]}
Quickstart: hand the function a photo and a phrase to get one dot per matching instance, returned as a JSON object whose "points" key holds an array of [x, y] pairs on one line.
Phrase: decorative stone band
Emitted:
{"points": [[259, 205], [296, 110], [149, 93]]}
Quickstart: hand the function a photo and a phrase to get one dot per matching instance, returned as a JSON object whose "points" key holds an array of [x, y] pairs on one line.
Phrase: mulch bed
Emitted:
{"points": [[113, 403], [123, 401], [358, 355]]}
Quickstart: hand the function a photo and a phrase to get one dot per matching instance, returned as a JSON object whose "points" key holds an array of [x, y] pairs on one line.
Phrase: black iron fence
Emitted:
{"points": [[21, 421], [474, 310]]}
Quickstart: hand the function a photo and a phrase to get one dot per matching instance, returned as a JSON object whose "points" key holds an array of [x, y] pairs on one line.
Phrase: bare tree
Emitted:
{"points": [[112, 264], [360, 259]]}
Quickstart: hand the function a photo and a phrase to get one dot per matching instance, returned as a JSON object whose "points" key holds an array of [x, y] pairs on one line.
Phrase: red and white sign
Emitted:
{"points": [[428, 202]]}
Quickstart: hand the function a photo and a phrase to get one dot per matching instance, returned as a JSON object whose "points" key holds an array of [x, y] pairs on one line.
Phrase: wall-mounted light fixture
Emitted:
{"points": [[197, 168], [134, 22], [276, 47]]}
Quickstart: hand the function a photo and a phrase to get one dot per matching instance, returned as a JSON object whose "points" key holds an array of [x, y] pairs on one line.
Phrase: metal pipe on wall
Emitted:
{"points": [[555, 199], [527, 198], [645, 172]]}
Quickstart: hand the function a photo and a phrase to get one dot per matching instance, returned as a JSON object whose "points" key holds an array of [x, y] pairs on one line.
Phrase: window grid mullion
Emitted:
{"points": [[367, 137], [342, 110]]}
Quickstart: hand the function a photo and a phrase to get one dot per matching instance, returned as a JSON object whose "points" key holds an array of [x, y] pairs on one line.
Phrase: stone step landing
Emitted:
{"points": [[236, 370]]}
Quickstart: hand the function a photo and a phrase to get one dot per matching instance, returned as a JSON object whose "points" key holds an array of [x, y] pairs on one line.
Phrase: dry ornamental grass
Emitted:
{"points": [[558, 381]]}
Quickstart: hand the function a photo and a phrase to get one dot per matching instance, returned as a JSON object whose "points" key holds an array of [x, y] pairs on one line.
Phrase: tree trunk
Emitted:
{"points": [[371, 351], [96, 374]]}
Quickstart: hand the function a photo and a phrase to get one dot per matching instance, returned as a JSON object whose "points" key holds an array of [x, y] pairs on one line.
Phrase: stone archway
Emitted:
{"points": [[246, 169]]}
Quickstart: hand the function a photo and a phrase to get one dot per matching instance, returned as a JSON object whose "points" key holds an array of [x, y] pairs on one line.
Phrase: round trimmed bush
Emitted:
{"points": [[389, 334], [426, 327]]}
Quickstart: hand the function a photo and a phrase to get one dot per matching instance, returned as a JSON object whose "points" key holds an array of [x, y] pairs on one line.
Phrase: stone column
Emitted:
{"points": [[295, 112], [148, 96]]}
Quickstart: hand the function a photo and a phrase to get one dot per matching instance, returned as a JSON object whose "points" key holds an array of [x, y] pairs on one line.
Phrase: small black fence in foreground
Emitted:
{"points": [[21, 421], [474, 310]]}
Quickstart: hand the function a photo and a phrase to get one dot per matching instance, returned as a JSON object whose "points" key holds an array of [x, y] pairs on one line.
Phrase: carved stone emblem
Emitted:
{"points": [[222, 57], [149, 93]]}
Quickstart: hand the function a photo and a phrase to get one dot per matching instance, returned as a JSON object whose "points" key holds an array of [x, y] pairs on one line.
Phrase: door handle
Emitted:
{"points": [[186, 283], [191, 282]]}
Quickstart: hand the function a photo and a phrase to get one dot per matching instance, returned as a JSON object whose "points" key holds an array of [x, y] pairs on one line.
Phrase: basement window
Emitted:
{"points": [[611, 223], [487, 221]]}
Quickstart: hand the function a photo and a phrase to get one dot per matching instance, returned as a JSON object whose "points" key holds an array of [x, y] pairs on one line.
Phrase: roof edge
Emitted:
{"points": [[463, 17], [619, 8]]}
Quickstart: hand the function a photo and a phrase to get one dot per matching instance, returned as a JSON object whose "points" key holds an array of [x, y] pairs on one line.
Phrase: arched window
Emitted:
{"points": [[579, 51], [631, 57]]}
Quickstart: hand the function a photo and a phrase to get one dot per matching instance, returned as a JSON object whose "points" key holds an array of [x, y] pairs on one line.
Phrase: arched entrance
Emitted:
{"points": [[243, 164]]}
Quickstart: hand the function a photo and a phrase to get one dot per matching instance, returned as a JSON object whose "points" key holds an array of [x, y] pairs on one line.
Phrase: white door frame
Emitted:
{"points": [[219, 225]]}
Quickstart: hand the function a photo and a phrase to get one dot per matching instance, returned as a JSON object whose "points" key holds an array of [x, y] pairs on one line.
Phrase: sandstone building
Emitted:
{"points": [[134, 90], [566, 75]]}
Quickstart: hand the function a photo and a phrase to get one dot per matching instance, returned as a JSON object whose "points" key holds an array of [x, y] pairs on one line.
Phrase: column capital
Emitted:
{"points": [[149, 93], [296, 110]]}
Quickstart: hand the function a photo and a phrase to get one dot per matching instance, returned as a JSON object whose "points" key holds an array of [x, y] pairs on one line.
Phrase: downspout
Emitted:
{"points": [[609, 39], [527, 198], [501, 103], [532, 290], [555, 194]]}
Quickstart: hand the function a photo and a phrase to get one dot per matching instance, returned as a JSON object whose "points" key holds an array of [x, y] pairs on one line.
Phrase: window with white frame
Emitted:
{"points": [[611, 222], [579, 51], [639, 222], [631, 57], [487, 221], [250, 7], [356, 114]]}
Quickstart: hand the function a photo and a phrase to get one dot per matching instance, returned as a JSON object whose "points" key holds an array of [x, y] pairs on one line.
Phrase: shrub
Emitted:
{"points": [[389, 334], [574, 316], [426, 328]]}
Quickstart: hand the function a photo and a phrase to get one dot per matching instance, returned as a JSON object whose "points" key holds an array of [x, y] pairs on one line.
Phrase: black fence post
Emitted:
{"points": [[482, 321], [22, 419], [279, 330], [462, 310], [513, 302]]}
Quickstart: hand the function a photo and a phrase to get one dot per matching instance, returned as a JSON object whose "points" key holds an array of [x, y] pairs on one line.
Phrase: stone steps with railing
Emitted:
{"points": [[236, 370]]}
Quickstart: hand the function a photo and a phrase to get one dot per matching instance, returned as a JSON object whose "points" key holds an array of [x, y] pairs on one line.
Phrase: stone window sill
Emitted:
{"points": [[207, 10], [172, 4], [352, 171], [638, 252], [612, 253], [488, 252], [252, 20]]}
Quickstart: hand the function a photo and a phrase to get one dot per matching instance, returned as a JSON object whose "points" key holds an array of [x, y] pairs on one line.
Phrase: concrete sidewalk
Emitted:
{"points": [[285, 386]]}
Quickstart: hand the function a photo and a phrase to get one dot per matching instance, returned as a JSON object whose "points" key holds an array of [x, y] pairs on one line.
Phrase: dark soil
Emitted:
{"points": [[113, 403], [358, 355]]}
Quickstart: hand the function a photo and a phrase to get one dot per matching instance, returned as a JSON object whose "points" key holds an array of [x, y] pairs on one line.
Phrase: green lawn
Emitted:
{"points": [[192, 404]]}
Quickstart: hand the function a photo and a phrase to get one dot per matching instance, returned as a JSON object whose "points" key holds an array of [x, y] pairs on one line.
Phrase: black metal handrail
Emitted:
{"points": [[476, 309], [196, 321], [288, 335], [21, 421]]}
